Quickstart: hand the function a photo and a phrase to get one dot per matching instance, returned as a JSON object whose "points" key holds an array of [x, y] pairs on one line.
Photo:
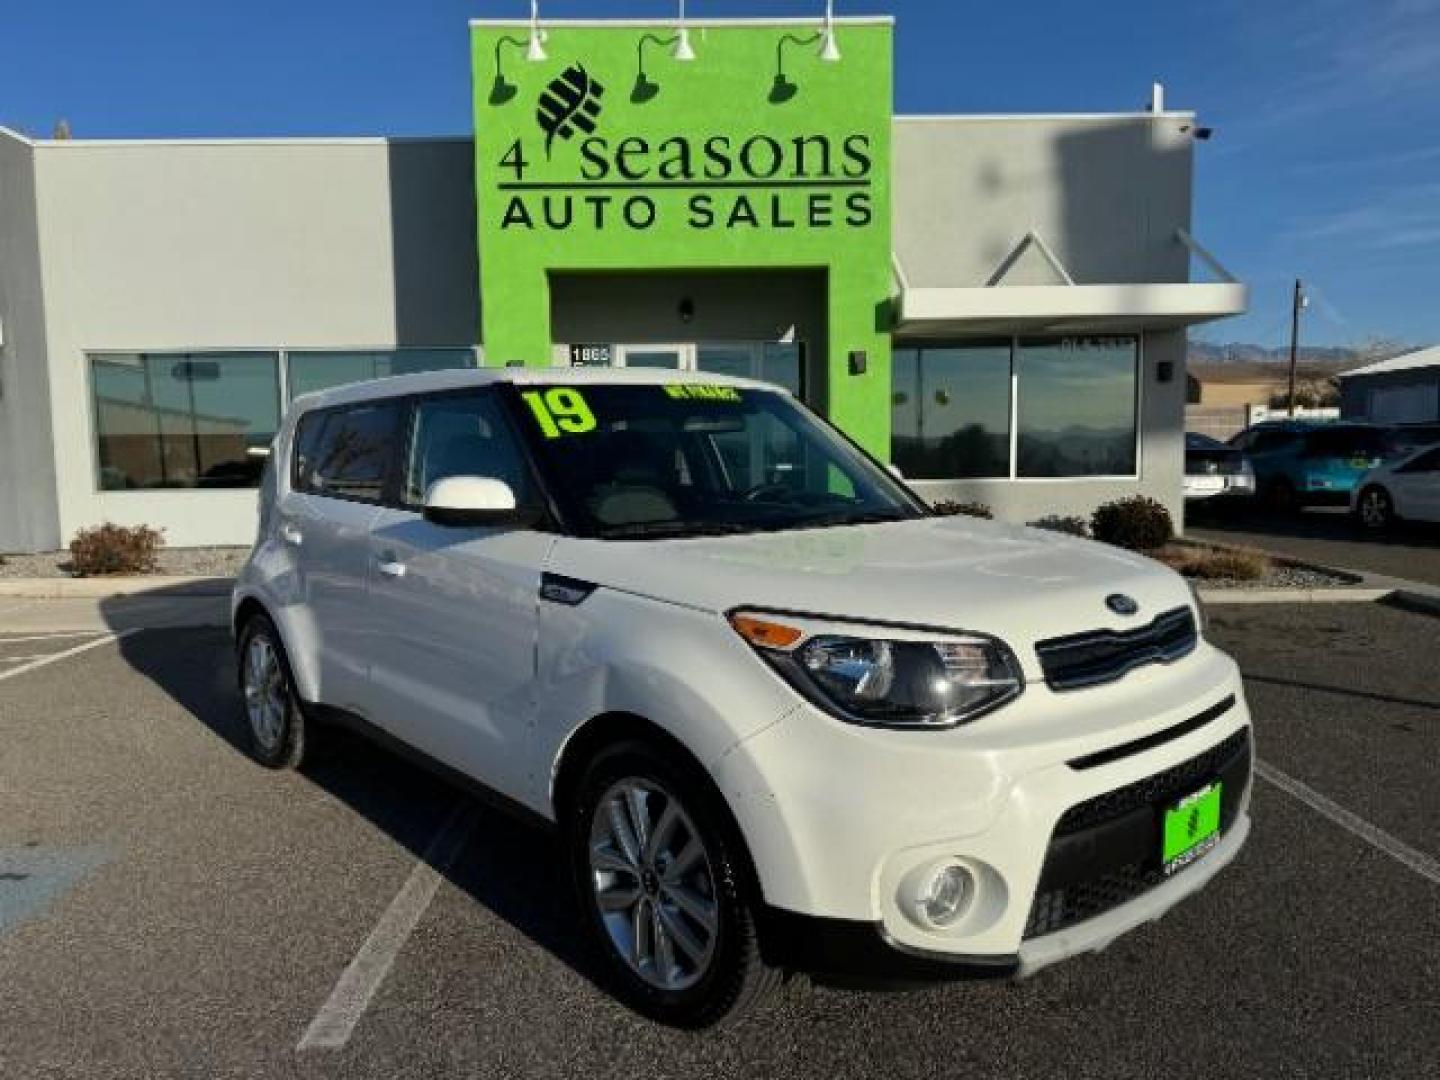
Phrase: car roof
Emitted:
{"points": [[430, 382]]}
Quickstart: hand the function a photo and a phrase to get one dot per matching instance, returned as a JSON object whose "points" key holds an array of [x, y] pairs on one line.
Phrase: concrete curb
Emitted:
{"points": [[1367, 588], [104, 587], [1350, 595]]}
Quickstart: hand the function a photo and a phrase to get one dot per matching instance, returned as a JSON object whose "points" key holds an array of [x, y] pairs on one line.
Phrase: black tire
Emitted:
{"points": [[1375, 509], [286, 747], [736, 978]]}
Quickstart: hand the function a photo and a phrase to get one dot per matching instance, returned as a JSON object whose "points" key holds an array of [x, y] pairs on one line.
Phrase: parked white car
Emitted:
{"points": [[782, 716], [1407, 488]]}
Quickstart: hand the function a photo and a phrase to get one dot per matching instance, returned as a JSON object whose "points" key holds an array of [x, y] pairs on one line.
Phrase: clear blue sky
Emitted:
{"points": [[1325, 161]]}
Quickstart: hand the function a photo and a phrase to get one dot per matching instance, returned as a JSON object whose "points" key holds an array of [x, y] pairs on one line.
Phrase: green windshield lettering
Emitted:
{"points": [[692, 392], [560, 411]]}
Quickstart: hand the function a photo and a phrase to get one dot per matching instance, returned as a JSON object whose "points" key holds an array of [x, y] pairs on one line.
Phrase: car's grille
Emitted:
{"points": [[1100, 656], [1107, 850]]}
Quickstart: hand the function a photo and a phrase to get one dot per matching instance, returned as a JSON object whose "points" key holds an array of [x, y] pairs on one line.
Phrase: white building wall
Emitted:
{"points": [[213, 245]]}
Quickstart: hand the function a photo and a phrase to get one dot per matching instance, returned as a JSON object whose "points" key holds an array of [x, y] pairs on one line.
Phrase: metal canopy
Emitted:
{"points": [[929, 311]]}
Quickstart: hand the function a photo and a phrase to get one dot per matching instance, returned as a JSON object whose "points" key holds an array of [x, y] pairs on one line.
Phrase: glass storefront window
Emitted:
{"points": [[1075, 408], [950, 411], [311, 371], [191, 420], [1076, 399]]}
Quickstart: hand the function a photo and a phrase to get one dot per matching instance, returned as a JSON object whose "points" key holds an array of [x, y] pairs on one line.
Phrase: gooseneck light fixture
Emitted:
{"points": [[502, 89], [829, 47], [535, 51], [646, 88]]}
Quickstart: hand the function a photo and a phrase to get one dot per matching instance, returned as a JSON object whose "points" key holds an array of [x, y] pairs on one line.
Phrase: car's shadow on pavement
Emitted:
{"points": [[511, 866]]}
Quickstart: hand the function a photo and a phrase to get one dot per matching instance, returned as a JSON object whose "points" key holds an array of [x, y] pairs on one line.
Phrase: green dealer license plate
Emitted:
{"points": [[1192, 827]]}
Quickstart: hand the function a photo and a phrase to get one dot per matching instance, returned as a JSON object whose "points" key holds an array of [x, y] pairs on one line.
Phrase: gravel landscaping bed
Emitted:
{"points": [[1281, 577], [172, 562]]}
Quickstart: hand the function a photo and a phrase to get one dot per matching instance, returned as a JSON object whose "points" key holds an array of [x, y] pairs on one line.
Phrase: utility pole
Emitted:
{"points": [[1296, 304]]}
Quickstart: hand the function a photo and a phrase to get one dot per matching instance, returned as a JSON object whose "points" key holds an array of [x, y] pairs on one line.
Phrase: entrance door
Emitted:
{"points": [[674, 357], [775, 362], [778, 362]]}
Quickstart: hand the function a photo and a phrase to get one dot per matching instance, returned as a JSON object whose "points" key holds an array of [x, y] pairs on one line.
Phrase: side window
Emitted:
{"points": [[351, 454], [464, 436]]}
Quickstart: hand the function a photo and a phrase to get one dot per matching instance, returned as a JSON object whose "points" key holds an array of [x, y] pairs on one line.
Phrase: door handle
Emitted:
{"points": [[291, 535], [391, 567]]}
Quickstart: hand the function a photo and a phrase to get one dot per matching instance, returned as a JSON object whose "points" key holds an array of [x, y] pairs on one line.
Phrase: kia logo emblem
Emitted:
{"points": [[1121, 604]]}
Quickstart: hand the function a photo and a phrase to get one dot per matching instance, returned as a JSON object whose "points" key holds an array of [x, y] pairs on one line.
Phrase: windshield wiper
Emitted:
{"points": [[662, 530]]}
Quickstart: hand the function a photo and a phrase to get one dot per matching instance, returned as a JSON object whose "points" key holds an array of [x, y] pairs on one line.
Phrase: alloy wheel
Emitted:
{"points": [[654, 886], [264, 690]]}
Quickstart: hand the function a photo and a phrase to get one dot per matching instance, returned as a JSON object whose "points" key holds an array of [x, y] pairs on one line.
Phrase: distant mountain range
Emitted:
{"points": [[1339, 357]]}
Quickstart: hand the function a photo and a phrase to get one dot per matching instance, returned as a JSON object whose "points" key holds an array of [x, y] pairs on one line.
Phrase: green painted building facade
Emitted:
{"points": [[611, 156]]}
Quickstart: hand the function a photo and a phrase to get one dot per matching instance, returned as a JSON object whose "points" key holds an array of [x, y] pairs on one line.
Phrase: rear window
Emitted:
{"points": [[347, 453], [1349, 443]]}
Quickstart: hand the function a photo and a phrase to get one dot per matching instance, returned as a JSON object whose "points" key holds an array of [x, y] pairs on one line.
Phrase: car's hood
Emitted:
{"points": [[1019, 584]]}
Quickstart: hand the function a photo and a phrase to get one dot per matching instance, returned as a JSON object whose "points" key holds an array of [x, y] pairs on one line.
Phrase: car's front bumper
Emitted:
{"points": [[860, 953], [840, 819]]}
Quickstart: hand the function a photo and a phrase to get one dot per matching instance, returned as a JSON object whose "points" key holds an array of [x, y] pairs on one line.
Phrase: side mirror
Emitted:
{"points": [[472, 501]]}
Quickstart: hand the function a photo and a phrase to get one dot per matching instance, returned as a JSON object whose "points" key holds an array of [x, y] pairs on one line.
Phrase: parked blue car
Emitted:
{"points": [[1312, 463]]}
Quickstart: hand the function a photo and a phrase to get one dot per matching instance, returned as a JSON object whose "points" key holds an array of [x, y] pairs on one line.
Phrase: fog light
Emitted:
{"points": [[947, 894]]}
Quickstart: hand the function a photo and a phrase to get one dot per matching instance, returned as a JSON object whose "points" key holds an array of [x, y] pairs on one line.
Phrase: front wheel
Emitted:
{"points": [[1375, 509], [665, 890]]}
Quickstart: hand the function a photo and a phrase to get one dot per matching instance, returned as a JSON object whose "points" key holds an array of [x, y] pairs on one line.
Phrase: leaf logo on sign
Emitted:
{"points": [[571, 101]]}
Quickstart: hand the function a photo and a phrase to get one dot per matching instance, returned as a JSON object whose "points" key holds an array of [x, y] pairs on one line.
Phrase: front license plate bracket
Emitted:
{"points": [[1190, 828]]}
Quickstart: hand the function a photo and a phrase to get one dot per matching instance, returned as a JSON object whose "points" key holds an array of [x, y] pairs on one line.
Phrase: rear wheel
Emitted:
{"points": [[1375, 509], [273, 718], [665, 888]]}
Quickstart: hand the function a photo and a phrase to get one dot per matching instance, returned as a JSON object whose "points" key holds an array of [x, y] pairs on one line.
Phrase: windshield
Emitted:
{"points": [[638, 462]]}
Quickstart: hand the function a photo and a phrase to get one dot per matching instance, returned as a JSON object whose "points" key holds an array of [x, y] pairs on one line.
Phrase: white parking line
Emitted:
{"points": [[1398, 850], [55, 657], [335, 1022], [49, 635]]}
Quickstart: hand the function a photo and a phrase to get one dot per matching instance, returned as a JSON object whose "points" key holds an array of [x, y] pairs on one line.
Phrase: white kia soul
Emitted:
{"points": [[783, 717]]}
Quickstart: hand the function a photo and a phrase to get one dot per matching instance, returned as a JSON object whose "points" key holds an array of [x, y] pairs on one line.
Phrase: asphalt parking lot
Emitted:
{"points": [[169, 908], [1328, 536]]}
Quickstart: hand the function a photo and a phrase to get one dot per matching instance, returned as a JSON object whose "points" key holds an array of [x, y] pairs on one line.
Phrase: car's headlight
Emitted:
{"points": [[920, 680]]}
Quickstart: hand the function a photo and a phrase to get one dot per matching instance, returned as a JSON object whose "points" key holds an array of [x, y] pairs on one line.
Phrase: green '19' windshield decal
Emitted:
{"points": [[560, 411]]}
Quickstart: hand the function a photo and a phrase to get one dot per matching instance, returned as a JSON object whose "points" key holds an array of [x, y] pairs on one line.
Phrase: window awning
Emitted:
{"points": [[930, 311], [933, 312]]}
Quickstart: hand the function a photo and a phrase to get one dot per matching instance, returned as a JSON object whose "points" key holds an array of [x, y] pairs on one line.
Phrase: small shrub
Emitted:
{"points": [[1137, 523], [949, 507], [115, 549], [1073, 526], [1228, 565], [1215, 564]]}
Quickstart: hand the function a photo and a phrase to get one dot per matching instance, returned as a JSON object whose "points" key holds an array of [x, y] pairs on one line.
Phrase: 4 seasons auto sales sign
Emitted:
{"points": [[612, 154]]}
